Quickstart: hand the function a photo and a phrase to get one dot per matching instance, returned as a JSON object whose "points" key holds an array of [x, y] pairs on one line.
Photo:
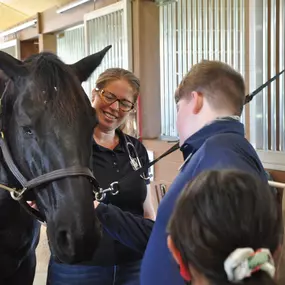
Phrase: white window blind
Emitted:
{"points": [[71, 46], [110, 25], [192, 30], [267, 47]]}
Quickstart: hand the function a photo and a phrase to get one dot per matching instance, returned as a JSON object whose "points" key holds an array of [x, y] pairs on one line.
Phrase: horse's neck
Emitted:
{"points": [[3, 175], [9, 208], [7, 205], [6, 176], [19, 232]]}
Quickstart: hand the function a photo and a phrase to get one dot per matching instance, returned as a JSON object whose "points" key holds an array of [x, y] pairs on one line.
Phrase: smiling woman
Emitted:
{"points": [[114, 99], [116, 90]]}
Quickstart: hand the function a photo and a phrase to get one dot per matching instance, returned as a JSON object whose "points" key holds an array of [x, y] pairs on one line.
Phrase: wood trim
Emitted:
{"points": [[104, 11], [53, 22]]}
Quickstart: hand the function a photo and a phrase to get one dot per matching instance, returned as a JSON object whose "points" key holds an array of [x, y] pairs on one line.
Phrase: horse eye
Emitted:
{"points": [[27, 130]]}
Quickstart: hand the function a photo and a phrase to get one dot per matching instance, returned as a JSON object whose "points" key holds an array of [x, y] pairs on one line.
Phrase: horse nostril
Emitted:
{"points": [[62, 237], [64, 240]]}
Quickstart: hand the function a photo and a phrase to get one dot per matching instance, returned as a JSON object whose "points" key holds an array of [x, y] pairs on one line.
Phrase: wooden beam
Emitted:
{"points": [[146, 64], [52, 22], [47, 42]]}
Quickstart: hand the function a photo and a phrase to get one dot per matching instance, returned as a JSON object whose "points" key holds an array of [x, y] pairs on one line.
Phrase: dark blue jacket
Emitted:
{"points": [[218, 145], [131, 230]]}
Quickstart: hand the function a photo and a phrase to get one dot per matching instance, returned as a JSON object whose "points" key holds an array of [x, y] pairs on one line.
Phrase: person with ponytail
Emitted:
{"points": [[225, 229]]}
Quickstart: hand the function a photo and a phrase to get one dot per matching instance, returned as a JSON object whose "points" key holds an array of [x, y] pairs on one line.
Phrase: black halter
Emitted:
{"points": [[17, 194]]}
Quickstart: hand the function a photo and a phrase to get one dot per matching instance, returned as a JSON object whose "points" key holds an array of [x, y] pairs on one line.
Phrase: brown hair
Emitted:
{"points": [[219, 211], [112, 74], [219, 82]]}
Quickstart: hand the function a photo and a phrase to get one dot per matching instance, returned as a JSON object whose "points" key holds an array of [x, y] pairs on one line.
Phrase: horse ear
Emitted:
{"points": [[86, 66], [11, 66]]}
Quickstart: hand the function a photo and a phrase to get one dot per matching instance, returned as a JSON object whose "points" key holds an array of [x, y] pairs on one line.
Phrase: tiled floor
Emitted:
{"points": [[40, 279], [42, 259]]}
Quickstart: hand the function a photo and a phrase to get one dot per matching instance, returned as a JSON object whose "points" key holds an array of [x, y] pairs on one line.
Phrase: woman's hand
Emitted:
{"points": [[32, 204], [96, 204]]}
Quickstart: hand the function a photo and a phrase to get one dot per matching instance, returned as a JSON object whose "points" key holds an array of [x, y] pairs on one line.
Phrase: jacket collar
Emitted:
{"points": [[218, 126]]}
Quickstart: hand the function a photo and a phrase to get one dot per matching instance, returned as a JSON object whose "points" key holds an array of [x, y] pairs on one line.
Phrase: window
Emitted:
{"points": [[267, 47], [192, 30], [71, 46]]}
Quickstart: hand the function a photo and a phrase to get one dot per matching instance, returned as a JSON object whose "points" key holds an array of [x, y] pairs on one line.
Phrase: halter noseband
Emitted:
{"points": [[17, 194]]}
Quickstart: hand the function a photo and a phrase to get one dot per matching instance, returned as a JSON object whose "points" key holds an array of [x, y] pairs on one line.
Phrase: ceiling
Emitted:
{"points": [[13, 12]]}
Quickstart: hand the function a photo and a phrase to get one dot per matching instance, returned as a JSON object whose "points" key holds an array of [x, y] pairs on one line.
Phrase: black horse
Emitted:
{"points": [[46, 125]]}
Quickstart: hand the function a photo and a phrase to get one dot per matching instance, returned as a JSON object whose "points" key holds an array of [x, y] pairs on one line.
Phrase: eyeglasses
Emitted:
{"points": [[110, 98]]}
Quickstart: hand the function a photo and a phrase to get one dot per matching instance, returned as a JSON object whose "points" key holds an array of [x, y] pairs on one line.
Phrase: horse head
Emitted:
{"points": [[46, 124]]}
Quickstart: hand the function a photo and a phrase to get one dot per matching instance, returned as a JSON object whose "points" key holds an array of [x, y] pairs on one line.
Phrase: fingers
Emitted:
{"points": [[32, 204], [96, 203]]}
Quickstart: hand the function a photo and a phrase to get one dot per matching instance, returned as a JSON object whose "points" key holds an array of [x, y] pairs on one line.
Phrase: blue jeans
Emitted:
{"points": [[62, 274]]}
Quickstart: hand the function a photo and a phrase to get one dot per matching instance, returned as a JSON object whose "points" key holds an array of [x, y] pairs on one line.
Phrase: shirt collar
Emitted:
{"points": [[218, 126], [119, 148]]}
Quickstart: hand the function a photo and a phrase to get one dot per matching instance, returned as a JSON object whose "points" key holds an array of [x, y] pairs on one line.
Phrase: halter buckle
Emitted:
{"points": [[17, 195], [101, 195], [114, 190]]}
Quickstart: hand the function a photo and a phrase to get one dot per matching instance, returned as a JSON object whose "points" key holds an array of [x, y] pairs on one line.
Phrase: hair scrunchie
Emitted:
{"points": [[242, 262]]}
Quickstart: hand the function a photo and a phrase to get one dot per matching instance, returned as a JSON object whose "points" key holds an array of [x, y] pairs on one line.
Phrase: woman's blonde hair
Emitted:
{"points": [[112, 74]]}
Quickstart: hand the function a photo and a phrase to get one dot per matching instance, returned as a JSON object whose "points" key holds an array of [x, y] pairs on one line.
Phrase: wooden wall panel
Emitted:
{"points": [[165, 170], [147, 65], [28, 48]]}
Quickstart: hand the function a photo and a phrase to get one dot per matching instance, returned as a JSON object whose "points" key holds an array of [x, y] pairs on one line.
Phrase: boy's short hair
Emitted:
{"points": [[223, 86]]}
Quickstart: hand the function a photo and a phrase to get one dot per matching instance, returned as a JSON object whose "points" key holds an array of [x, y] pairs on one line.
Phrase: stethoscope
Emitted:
{"points": [[134, 159], [136, 165]]}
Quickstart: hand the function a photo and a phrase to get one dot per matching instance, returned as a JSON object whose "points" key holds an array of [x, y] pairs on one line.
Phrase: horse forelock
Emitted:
{"points": [[52, 82]]}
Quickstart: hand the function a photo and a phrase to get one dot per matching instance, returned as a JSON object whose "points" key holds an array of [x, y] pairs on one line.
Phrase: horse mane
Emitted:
{"points": [[3, 80], [54, 84]]}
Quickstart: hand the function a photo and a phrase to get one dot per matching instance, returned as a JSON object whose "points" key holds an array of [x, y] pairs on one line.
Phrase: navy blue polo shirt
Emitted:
{"points": [[113, 165], [219, 145]]}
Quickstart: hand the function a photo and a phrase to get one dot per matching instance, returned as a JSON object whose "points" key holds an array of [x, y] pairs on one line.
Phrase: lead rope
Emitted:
{"points": [[9, 189], [114, 187]]}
